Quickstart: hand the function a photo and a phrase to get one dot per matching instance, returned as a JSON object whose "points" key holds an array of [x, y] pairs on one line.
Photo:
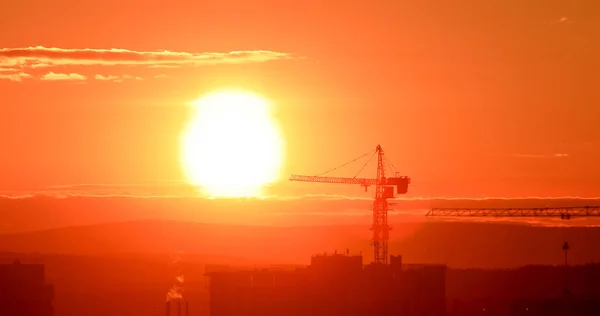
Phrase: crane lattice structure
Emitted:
{"points": [[562, 212], [384, 190]]}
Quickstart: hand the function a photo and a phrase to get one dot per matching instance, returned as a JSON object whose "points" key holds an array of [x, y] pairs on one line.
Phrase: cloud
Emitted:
{"points": [[114, 78], [161, 76], [41, 57], [106, 78], [564, 19], [177, 201], [558, 155], [163, 66], [182, 189], [15, 76], [51, 76], [186, 198], [9, 70], [129, 77]]}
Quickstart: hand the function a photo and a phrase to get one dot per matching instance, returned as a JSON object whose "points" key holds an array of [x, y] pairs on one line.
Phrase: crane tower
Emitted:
{"points": [[384, 190]]}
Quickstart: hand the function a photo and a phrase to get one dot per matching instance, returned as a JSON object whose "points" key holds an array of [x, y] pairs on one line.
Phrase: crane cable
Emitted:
{"points": [[390, 164], [347, 163], [363, 167]]}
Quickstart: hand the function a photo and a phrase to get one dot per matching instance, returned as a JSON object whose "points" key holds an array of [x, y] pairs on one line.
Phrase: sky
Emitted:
{"points": [[468, 98]]}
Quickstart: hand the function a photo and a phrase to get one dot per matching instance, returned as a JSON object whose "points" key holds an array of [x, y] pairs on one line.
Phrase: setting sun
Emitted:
{"points": [[232, 146]]}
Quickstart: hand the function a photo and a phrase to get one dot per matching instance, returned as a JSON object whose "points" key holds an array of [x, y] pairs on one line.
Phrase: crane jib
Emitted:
{"points": [[401, 183], [562, 212]]}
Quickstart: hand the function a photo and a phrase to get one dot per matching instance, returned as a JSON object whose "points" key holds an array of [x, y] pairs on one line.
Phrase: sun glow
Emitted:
{"points": [[232, 146]]}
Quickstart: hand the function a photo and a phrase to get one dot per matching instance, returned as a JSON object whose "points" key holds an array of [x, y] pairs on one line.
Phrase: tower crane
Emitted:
{"points": [[565, 213], [384, 190]]}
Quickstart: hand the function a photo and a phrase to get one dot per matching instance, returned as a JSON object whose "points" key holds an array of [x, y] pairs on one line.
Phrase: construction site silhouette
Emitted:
{"points": [[336, 284], [333, 284]]}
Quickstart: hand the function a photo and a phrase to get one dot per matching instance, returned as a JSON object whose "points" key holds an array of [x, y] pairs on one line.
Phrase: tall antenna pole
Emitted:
{"points": [[566, 248], [380, 211]]}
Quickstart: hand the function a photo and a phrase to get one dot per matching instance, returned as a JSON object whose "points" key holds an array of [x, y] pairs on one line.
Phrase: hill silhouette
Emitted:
{"points": [[456, 244], [29, 214]]}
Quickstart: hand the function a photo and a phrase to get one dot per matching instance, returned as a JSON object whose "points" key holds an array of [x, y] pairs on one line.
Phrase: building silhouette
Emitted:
{"points": [[529, 290], [24, 292], [337, 284]]}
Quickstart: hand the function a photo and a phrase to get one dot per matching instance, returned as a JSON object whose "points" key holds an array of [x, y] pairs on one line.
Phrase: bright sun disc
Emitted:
{"points": [[232, 146]]}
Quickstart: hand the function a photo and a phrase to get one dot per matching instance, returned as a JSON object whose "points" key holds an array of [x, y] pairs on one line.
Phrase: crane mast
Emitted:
{"points": [[380, 227], [384, 190]]}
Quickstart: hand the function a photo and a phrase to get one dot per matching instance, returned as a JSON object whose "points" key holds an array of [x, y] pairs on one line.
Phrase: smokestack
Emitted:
{"points": [[168, 312], [187, 308], [178, 307]]}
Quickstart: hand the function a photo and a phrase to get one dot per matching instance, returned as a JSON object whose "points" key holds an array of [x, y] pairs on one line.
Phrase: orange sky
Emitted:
{"points": [[468, 98]]}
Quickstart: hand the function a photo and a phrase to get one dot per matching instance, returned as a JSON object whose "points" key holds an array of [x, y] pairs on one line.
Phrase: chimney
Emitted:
{"points": [[168, 312], [178, 307], [187, 308]]}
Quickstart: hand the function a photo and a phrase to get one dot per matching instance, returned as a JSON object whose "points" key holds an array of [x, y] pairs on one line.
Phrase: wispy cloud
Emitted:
{"points": [[41, 57], [148, 200], [115, 78], [564, 19], [163, 66], [106, 78], [9, 70], [178, 189], [51, 76], [18, 76], [558, 155]]}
